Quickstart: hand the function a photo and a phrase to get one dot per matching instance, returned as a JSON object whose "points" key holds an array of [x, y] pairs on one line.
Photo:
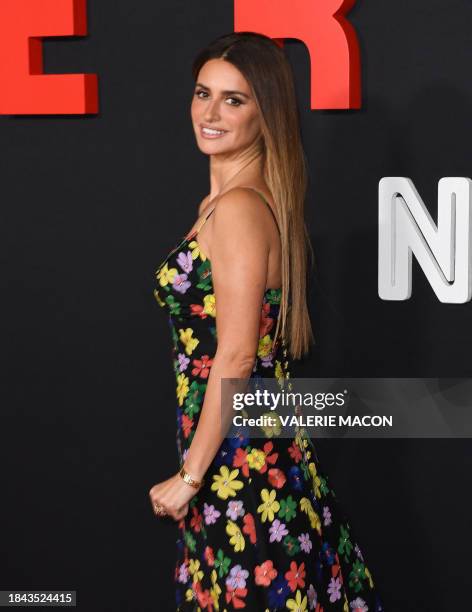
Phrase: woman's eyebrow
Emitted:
{"points": [[226, 93]]}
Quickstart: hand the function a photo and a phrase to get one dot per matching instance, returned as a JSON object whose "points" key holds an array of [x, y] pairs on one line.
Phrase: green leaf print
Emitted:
{"points": [[357, 575], [190, 541], [204, 275], [287, 509], [174, 306], [291, 545], [222, 563], [345, 544]]}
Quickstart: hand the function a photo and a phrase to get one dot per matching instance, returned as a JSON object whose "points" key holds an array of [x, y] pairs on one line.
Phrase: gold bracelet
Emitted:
{"points": [[189, 480]]}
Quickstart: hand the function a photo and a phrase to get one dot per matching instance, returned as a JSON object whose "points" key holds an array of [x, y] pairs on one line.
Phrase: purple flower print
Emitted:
{"points": [[235, 509], [183, 573], [334, 589], [185, 261], [312, 597], [181, 284], [326, 516], [210, 513], [277, 531], [183, 361], [358, 605], [266, 362], [358, 552], [237, 578], [305, 542]]}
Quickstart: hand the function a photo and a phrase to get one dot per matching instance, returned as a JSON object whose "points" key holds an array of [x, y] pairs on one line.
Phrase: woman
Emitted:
{"points": [[258, 524]]}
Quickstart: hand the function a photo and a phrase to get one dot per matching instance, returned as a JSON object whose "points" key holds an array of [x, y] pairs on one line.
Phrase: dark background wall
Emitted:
{"points": [[91, 205]]}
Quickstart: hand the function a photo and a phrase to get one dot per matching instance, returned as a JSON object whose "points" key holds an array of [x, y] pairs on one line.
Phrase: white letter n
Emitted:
{"points": [[443, 252]]}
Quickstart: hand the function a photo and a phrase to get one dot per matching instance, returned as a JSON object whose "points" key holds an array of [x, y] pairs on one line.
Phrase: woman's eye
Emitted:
{"points": [[238, 102], [200, 91]]}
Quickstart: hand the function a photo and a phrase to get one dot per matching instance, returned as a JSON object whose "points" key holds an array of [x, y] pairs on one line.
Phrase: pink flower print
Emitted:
{"points": [[334, 589], [358, 605], [185, 261], [277, 531], [237, 578], [183, 573], [312, 597], [210, 513], [183, 361], [235, 509], [305, 542], [181, 284], [326, 516]]}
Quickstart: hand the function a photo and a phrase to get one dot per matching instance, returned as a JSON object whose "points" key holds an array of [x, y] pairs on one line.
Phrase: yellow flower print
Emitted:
{"points": [[237, 539], [209, 305], [278, 370], [271, 430], [369, 577], [166, 276], [225, 484], [189, 595], [298, 604], [265, 346], [158, 298], [186, 339], [315, 478], [182, 388], [256, 459], [194, 569], [305, 506], [195, 249], [215, 590], [269, 505]]}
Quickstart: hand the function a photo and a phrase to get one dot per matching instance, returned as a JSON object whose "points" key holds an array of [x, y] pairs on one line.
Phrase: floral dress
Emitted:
{"points": [[265, 532]]}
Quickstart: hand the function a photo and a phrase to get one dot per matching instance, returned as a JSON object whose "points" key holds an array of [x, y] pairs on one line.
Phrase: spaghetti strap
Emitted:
{"points": [[199, 227], [268, 205]]}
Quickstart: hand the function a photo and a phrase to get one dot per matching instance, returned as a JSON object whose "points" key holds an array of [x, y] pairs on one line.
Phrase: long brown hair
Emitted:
{"points": [[263, 64]]}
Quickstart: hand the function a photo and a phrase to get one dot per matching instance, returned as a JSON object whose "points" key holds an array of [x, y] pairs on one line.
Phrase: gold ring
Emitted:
{"points": [[160, 510]]}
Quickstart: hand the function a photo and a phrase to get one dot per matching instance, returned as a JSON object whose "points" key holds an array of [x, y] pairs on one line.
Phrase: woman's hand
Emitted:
{"points": [[174, 495]]}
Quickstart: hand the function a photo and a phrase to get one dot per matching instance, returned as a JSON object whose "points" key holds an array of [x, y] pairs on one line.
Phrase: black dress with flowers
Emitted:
{"points": [[265, 532]]}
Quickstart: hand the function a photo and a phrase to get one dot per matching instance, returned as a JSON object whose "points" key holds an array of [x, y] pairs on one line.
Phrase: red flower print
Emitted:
{"points": [[196, 520], [240, 461], [202, 366], [186, 425], [197, 310], [209, 556], [276, 478], [232, 596], [295, 576], [266, 323], [268, 446], [295, 452], [249, 527], [265, 573], [204, 597]]}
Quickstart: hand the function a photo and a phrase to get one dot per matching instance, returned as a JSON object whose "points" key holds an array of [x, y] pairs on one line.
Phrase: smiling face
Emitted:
{"points": [[224, 113]]}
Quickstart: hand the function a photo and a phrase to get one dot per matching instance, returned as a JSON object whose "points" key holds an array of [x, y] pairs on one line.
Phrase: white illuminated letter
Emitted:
{"points": [[406, 227]]}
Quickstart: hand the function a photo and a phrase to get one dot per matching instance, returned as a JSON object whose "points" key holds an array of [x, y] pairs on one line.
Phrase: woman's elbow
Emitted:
{"points": [[237, 358]]}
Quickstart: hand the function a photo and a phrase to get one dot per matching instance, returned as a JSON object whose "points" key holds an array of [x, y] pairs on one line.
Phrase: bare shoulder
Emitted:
{"points": [[240, 207]]}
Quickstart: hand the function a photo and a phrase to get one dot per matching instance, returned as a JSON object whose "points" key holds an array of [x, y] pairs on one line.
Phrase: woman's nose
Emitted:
{"points": [[212, 111]]}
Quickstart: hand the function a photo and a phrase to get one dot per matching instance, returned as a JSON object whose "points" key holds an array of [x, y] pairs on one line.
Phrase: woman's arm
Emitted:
{"points": [[239, 260]]}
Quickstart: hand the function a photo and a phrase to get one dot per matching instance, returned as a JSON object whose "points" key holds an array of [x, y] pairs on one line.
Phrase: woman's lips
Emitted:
{"points": [[211, 133]]}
